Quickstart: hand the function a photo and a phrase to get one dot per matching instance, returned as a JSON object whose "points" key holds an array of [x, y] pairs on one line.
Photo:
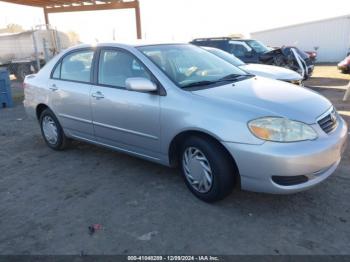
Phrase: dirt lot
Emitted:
{"points": [[48, 199], [328, 76]]}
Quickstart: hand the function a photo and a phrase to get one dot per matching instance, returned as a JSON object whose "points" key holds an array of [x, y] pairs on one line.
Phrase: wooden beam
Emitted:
{"points": [[94, 7], [46, 16], [30, 3], [63, 6], [138, 20]]}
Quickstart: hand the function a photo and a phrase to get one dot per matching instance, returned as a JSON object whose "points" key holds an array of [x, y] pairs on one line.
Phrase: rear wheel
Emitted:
{"points": [[207, 169], [52, 131]]}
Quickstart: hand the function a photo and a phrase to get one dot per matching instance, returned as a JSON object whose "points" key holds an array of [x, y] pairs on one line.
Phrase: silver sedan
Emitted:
{"points": [[177, 104]]}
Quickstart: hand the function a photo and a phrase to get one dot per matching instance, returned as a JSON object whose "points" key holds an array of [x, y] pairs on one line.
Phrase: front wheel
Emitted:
{"points": [[207, 169], [52, 131]]}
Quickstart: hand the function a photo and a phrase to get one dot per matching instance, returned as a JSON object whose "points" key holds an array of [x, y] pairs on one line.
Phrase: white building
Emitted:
{"points": [[331, 37]]}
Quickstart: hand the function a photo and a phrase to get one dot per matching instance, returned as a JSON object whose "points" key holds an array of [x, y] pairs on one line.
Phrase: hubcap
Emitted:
{"points": [[50, 130], [197, 170]]}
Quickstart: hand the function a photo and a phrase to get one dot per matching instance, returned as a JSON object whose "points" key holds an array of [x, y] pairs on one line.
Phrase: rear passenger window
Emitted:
{"points": [[77, 66], [116, 66], [239, 49]]}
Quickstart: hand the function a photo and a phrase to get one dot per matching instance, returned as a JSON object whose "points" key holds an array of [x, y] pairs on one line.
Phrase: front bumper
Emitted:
{"points": [[315, 160]]}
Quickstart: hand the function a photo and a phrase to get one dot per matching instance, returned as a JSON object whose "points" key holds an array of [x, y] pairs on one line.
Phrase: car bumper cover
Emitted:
{"points": [[316, 160]]}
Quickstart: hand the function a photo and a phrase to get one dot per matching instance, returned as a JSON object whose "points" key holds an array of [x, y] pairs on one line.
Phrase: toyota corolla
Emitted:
{"points": [[177, 104]]}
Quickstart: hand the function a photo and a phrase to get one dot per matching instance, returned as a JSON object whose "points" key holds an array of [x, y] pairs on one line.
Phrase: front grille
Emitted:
{"points": [[329, 122]]}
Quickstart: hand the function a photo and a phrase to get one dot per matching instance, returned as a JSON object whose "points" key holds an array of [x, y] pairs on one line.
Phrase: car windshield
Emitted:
{"points": [[226, 56], [258, 46], [188, 65]]}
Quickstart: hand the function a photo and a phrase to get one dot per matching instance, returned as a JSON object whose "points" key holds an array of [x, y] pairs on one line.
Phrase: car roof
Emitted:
{"points": [[129, 44]]}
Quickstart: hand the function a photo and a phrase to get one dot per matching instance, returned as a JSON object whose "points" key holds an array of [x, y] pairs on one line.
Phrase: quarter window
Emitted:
{"points": [[57, 73], [116, 66], [77, 66]]}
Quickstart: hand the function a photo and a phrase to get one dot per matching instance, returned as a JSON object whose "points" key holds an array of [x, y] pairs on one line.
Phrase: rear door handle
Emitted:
{"points": [[53, 87], [98, 95]]}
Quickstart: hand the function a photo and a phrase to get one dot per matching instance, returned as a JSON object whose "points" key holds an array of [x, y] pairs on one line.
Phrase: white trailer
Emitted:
{"points": [[329, 37], [24, 53]]}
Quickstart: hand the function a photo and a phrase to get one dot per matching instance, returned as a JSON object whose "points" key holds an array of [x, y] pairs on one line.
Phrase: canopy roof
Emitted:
{"points": [[75, 3], [58, 6]]}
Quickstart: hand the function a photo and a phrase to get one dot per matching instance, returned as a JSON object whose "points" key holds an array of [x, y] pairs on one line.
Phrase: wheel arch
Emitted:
{"points": [[176, 142], [39, 109]]}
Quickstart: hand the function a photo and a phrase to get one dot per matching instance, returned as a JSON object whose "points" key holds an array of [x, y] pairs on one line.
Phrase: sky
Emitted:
{"points": [[179, 20]]}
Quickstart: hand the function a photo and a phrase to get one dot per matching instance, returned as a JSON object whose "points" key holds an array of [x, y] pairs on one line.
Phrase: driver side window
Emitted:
{"points": [[239, 50], [115, 66]]}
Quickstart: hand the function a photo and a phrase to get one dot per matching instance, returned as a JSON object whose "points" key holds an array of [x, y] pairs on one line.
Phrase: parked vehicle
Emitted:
{"points": [[274, 72], [178, 104], [312, 55], [344, 66], [24, 53], [253, 51], [307, 58]]}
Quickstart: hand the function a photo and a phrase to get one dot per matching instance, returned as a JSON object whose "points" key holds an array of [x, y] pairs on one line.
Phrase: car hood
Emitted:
{"points": [[274, 72], [260, 96]]}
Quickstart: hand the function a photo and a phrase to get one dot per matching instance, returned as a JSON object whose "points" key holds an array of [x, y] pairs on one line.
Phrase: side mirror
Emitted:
{"points": [[140, 84], [248, 54]]}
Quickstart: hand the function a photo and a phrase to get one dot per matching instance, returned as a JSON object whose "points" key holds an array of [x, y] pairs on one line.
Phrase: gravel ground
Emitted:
{"points": [[49, 199]]}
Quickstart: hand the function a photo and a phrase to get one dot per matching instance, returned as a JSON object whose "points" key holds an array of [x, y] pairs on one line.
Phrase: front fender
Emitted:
{"points": [[191, 113]]}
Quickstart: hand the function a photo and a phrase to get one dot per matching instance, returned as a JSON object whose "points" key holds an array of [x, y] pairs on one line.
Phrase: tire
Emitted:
{"points": [[48, 125], [223, 172], [345, 71]]}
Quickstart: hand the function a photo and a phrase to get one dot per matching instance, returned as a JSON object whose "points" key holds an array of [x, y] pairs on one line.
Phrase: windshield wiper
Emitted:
{"points": [[199, 83], [232, 77]]}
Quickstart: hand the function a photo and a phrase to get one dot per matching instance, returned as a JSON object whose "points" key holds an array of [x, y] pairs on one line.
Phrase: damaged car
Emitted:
{"points": [[254, 51], [269, 71]]}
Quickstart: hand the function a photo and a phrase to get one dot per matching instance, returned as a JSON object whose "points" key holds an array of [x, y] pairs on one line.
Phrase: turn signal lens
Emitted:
{"points": [[261, 132]]}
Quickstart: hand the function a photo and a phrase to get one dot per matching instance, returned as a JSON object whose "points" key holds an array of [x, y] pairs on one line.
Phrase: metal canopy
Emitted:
{"points": [[61, 6]]}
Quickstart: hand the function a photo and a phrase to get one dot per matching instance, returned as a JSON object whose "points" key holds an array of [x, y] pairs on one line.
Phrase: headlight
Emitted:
{"points": [[279, 129]]}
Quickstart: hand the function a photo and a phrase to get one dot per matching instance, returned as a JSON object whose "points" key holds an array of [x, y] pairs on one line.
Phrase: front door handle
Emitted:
{"points": [[97, 95], [53, 87]]}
